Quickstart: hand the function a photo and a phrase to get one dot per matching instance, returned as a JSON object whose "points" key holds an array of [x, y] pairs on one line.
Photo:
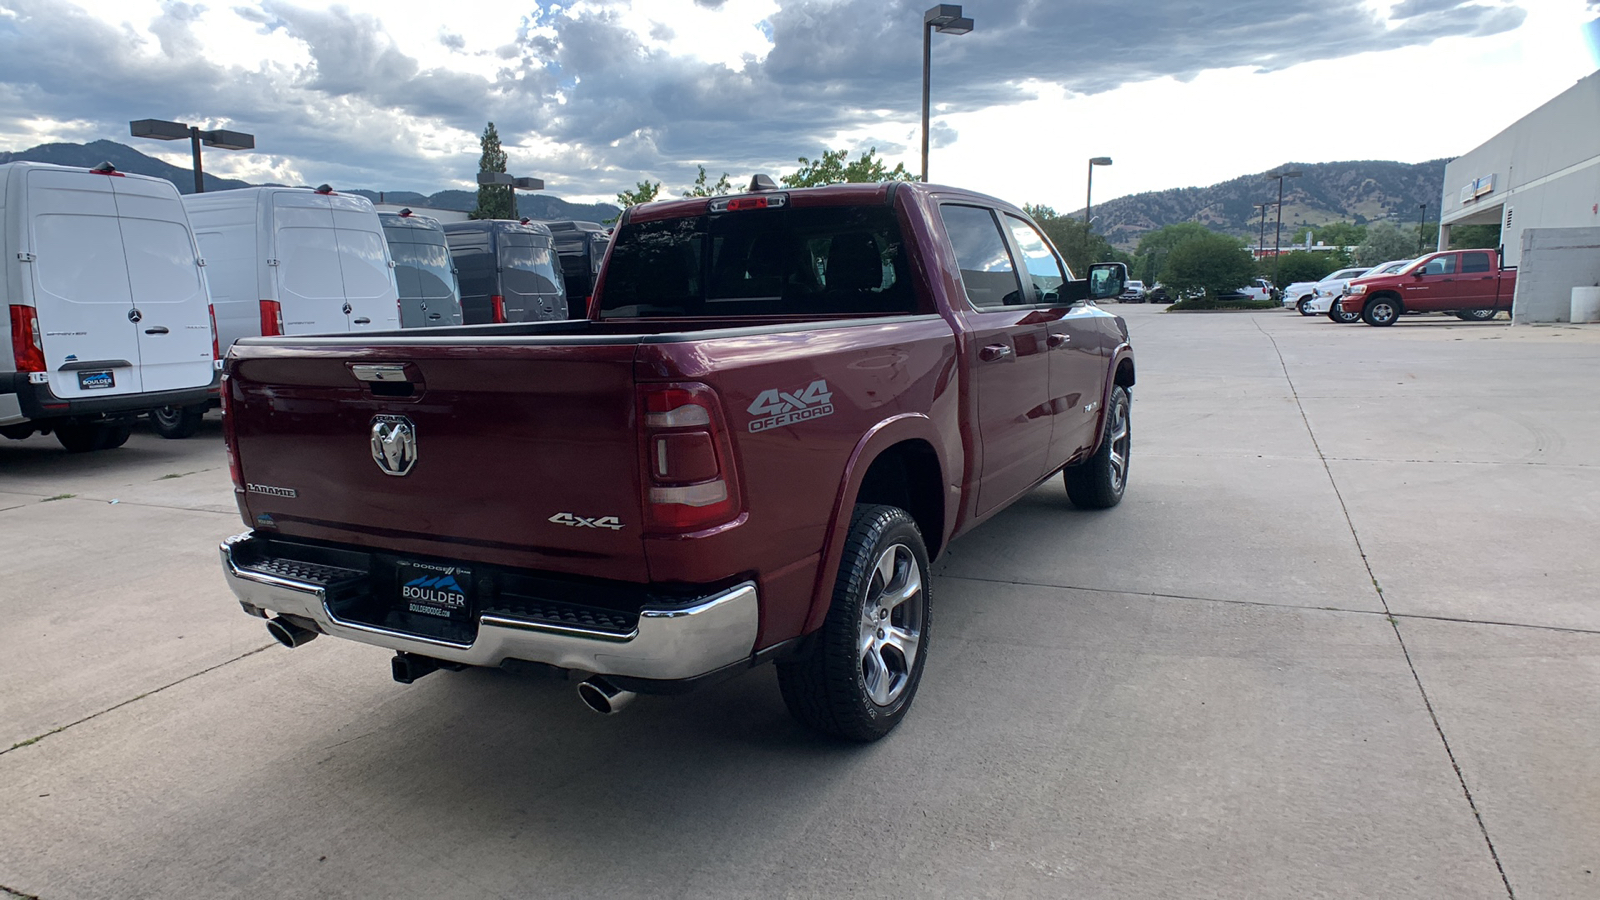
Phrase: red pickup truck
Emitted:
{"points": [[1468, 283], [782, 406]]}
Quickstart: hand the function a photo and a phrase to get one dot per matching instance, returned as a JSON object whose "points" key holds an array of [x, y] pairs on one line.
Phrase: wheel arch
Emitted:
{"points": [[897, 463]]}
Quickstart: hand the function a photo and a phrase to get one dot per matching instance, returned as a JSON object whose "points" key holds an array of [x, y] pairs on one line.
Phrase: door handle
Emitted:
{"points": [[1057, 340], [994, 352], [159, 329], [363, 320], [435, 316]]}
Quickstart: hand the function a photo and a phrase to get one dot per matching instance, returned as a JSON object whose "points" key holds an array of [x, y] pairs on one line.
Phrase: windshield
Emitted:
{"points": [[1345, 273], [1389, 268], [817, 261]]}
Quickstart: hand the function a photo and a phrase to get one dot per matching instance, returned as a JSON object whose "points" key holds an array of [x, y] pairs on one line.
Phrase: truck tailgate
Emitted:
{"points": [[526, 459]]}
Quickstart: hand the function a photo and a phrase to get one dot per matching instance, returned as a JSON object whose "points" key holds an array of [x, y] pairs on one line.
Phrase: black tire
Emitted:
{"points": [[1100, 481], [1380, 311], [79, 438], [1303, 305], [1477, 315], [850, 683], [177, 422]]}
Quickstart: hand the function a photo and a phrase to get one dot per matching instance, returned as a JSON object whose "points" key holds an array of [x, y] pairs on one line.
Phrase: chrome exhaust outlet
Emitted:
{"points": [[290, 633], [600, 695]]}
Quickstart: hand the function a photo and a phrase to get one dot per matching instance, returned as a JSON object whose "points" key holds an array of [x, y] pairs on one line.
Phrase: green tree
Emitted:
{"points": [[1154, 247], [1302, 265], [1214, 263], [1386, 241], [834, 168], [643, 192], [702, 189], [1471, 237], [1078, 245], [494, 201], [1334, 234]]}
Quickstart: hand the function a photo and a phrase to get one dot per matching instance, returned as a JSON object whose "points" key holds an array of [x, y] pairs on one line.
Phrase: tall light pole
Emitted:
{"points": [[946, 19], [513, 184], [162, 130], [1422, 222], [1088, 194], [1277, 242], [1261, 241]]}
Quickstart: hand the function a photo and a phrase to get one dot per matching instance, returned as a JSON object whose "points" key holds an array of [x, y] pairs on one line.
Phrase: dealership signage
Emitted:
{"points": [[1477, 188]]}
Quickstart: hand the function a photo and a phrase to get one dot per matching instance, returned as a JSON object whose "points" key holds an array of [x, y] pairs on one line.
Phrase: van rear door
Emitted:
{"points": [[532, 289], [371, 301], [174, 329], [310, 286], [80, 285]]}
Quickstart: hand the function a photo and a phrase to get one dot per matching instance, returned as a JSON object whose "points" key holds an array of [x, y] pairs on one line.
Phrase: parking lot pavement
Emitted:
{"points": [[1214, 689]]}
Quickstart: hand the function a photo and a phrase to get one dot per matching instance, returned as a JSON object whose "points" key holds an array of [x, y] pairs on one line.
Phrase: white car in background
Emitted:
{"points": [[1328, 290], [1320, 292], [1293, 294]]}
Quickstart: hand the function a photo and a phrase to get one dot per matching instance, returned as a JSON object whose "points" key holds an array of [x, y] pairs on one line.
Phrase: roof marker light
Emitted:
{"points": [[324, 189]]}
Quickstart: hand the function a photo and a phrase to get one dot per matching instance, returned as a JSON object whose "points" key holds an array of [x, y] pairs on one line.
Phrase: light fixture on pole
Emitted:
{"points": [[512, 184], [1422, 223], [1277, 242], [1088, 194], [162, 130], [945, 18]]}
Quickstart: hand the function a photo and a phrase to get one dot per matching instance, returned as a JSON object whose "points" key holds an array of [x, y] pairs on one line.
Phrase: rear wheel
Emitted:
{"points": [[1342, 317], [177, 422], [1099, 481], [859, 675], [84, 438], [1477, 315], [1380, 311]]}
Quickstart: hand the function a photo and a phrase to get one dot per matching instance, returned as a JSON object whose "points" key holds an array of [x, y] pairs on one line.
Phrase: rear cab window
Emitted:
{"points": [[795, 261]]}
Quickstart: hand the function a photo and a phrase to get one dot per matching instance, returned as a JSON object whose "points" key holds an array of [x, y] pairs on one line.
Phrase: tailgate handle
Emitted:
{"points": [[159, 329], [379, 373]]}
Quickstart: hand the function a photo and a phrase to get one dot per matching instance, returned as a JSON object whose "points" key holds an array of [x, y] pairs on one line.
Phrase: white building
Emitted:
{"points": [[1540, 179]]}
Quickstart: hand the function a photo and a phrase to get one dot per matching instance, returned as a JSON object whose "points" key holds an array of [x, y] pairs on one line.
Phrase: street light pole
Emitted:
{"points": [[512, 183], [946, 19], [1277, 242], [1088, 194], [1261, 241], [162, 130], [1422, 223]]}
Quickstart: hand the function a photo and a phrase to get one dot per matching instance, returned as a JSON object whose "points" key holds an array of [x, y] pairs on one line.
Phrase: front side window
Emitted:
{"points": [[1045, 271], [987, 272], [1442, 265]]}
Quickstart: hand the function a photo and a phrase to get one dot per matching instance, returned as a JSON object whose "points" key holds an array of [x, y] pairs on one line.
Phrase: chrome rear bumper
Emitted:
{"points": [[669, 643]]}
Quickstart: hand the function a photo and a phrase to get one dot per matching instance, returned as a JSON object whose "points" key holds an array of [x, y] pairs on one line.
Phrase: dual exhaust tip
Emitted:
{"points": [[598, 692]]}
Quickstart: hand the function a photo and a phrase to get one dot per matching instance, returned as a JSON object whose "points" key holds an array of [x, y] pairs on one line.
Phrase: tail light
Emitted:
{"points": [[230, 434], [27, 346], [690, 480], [271, 318], [216, 348], [499, 304]]}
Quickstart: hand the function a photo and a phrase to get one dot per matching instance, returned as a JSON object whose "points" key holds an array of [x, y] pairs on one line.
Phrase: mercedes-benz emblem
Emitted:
{"points": [[134, 315], [394, 444]]}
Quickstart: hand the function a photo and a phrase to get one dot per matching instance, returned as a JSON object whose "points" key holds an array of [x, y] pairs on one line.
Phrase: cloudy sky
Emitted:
{"points": [[593, 95]]}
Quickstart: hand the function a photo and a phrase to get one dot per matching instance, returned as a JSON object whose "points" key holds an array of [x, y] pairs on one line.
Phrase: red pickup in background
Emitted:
{"points": [[1468, 283]]}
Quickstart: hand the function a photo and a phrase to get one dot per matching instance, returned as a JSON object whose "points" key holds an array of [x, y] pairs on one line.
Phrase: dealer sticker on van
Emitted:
{"points": [[91, 381]]}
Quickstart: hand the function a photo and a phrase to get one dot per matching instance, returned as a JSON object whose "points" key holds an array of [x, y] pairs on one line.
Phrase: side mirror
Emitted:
{"points": [[1106, 280]]}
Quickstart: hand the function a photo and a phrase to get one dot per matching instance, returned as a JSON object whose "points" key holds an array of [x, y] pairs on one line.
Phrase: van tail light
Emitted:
{"points": [[690, 480], [230, 435], [499, 310], [27, 345], [216, 348], [271, 318]]}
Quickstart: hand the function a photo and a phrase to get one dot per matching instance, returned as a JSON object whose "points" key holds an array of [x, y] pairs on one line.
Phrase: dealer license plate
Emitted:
{"points": [[93, 381], [443, 592]]}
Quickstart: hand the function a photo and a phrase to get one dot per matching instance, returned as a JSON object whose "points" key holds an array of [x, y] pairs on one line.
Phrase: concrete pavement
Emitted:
{"points": [[1340, 640]]}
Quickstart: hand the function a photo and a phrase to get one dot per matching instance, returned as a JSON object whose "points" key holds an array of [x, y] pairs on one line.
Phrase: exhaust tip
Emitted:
{"points": [[603, 697], [288, 633]]}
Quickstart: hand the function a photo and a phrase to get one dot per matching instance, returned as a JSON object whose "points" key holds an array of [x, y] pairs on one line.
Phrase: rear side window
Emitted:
{"points": [[987, 272], [1474, 262], [834, 260]]}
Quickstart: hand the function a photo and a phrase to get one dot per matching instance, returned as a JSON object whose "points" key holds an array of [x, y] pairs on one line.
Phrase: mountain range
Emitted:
{"points": [[1361, 191]]}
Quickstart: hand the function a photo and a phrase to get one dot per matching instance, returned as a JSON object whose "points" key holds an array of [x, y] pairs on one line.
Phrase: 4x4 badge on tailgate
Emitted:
{"points": [[394, 444]]}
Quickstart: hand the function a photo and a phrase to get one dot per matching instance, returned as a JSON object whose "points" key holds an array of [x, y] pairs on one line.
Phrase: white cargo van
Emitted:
{"points": [[107, 304], [294, 261]]}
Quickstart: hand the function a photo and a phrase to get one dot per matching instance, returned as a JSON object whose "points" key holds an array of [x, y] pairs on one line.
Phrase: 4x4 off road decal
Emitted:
{"points": [[775, 409]]}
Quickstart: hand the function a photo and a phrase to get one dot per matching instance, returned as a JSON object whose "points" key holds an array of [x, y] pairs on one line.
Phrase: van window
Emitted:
{"points": [[833, 260], [308, 263], [160, 260], [527, 265], [364, 263], [422, 269], [64, 242]]}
